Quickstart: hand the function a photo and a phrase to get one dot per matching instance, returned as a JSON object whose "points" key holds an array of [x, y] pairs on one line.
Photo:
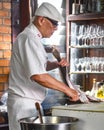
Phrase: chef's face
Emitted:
{"points": [[50, 26]]}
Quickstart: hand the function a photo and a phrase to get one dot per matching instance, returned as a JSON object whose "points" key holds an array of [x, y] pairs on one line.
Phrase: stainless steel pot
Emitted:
{"points": [[49, 123]]}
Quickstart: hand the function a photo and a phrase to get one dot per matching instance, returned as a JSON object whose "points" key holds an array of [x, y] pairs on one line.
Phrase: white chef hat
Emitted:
{"points": [[48, 10]]}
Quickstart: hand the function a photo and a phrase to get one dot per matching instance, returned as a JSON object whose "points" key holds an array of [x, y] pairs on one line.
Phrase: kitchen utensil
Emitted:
{"points": [[62, 69], [39, 111]]}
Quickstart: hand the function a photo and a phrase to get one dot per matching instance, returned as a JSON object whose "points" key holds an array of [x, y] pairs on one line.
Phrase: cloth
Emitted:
{"points": [[28, 58]]}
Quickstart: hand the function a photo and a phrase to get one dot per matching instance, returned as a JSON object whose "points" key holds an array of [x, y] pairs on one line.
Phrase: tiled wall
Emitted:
{"points": [[5, 43]]}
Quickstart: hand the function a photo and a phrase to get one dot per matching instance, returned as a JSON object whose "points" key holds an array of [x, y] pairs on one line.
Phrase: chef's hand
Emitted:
{"points": [[73, 95], [63, 62]]}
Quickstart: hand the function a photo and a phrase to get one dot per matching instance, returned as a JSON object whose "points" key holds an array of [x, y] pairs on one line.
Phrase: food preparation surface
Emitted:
{"points": [[92, 107], [91, 116]]}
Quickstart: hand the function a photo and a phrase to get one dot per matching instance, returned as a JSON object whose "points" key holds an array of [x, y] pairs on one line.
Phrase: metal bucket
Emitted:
{"points": [[49, 123]]}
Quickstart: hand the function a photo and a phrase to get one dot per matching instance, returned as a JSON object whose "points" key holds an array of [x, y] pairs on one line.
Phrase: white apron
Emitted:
{"points": [[15, 113]]}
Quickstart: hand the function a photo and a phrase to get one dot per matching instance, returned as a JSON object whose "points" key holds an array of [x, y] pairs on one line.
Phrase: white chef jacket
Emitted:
{"points": [[28, 58]]}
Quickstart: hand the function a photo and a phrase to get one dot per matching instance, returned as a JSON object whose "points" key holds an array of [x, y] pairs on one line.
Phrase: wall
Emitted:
{"points": [[5, 43]]}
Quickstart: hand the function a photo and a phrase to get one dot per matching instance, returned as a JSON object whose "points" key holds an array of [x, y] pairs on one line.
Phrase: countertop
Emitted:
{"points": [[92, 107], [91, 115]]}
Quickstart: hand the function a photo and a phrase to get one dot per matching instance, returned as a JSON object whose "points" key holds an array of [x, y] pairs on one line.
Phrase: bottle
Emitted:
{"points": [[94, 6], [89, 6], [100, 92], [98, 5], [101, 5], [93, 90], [75, 7], [82, 6]]}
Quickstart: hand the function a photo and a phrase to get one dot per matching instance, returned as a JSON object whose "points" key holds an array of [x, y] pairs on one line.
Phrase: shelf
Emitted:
{"points": [[88, 47], [4, 125], [79, 72], [86, 16]]}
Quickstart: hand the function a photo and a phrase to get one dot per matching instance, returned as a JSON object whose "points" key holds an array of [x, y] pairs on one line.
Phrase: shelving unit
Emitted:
{"points": [[83, 78]]}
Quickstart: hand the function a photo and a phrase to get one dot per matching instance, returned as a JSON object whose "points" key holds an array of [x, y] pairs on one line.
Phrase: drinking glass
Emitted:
{"points": [[86, 35], [83, 64], [99, 35], [88, 64], [93, 37], [79, 35], [76, 64]]}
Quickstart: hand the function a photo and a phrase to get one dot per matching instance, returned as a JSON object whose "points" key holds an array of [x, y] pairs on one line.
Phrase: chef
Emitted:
{"points": [[29, 79]]}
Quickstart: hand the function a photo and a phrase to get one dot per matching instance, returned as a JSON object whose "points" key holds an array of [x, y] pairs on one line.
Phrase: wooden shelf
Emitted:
{"points": [[79, 72], [4, 125], [87, 47], [86, 16]]}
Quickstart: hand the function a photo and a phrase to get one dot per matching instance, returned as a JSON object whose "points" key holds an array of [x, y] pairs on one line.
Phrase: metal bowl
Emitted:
{"points": [[49, 123]]}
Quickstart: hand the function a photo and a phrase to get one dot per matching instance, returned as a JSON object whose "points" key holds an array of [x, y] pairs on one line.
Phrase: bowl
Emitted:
{"points": [[49, 123]]}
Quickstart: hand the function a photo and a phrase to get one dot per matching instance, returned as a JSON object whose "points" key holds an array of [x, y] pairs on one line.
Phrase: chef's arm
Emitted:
{"points": [[54, 65], [48, 81]]}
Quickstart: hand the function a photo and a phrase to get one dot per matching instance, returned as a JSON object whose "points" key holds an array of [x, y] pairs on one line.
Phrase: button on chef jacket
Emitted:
{"points": [[29, 58]]}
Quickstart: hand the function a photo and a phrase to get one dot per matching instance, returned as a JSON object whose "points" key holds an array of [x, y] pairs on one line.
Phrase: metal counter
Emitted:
{"points": [[91, 116]]}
